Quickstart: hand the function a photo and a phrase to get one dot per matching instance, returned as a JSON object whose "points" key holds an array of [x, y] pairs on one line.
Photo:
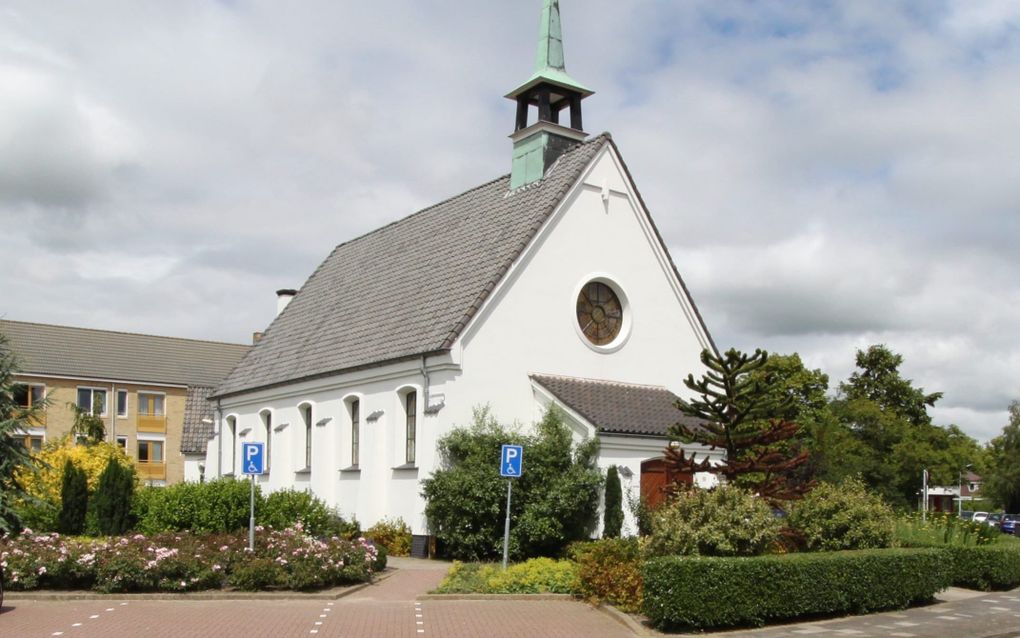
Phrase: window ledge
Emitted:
{"points": [[304, 470], [406, 466], [353, 468]]}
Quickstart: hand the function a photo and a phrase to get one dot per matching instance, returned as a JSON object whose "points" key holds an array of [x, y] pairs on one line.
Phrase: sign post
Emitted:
{"points": [[253, 463], [510, 467]]}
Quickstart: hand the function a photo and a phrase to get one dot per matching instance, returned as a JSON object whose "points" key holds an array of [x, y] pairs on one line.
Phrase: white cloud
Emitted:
{"points": [[826, 176]]}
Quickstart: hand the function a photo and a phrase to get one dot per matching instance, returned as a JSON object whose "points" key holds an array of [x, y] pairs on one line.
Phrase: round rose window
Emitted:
{"points": [[599, 313]]}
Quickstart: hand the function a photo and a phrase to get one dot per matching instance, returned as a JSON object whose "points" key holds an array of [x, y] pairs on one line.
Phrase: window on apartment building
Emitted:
{"points": [[355, 432], [27, 395], [122, 442], [34, 444], [411, 434], [150, 451], [267, 421], [92, 400], [150, 404], [122, 403], [232, 442], [306, 416]]}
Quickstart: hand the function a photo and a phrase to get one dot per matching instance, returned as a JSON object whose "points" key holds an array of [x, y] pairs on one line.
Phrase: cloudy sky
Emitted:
{"points": [[827, 175]]}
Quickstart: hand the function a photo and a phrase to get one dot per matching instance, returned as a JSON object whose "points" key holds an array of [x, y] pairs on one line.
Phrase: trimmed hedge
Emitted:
{"points": [[703, 592], [985, 566]]}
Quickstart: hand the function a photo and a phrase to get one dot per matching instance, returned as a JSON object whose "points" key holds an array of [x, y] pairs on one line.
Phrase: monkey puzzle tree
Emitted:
{"points": [[738, 412]]}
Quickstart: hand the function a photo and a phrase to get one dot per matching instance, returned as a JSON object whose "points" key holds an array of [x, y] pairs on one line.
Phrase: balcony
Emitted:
{"points": [[151, 470], [151, 423]]}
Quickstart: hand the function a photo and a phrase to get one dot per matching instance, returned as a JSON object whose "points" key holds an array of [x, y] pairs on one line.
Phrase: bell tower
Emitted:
{"points": [[550, 91]]}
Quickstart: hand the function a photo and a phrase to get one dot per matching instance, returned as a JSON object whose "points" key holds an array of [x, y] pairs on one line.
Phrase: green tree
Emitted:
{"points": [[113, 498], [896, 438], [74, 497], [15, 458], [878, 379], [612, 520], [1002, 480], [741, 411], [87, 423], [555, 501]]}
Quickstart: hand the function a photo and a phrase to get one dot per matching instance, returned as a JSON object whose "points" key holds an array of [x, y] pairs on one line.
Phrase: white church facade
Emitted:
{"points": [[548, 286]]}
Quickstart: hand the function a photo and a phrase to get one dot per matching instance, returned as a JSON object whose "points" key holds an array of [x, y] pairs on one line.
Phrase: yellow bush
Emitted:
{"points": [[45, 483]]}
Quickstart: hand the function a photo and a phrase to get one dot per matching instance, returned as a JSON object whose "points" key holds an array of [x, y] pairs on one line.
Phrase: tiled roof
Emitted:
{"points": [[618, 408], [408, 288], [197, 407], [120, 356]]}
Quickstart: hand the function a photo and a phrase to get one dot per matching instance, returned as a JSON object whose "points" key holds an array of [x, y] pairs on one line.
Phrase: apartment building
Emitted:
{"points": [[147, 389]]}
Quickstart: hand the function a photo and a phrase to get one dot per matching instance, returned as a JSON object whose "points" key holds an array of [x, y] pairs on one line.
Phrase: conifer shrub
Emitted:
{"points": [[74, 497], [112, 500], [724, 521], [683, 592], [844, 516], [612, 521]]}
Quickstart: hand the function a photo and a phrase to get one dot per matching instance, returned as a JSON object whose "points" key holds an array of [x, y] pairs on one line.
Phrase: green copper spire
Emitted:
{"points": [[550, 65], [549, 91]]}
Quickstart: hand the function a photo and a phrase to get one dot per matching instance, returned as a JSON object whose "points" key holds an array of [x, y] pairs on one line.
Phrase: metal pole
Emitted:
{"points": [[251, 521], [959, 498], [506, 528], [924, 495]]}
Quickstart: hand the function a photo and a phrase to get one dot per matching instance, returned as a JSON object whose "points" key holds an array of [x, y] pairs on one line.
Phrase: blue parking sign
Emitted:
{"points": [[253, 459], [510, 461]]}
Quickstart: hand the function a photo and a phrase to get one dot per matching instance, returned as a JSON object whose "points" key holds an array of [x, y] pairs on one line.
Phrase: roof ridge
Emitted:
{"points": [[125, 333], [622, 384]]}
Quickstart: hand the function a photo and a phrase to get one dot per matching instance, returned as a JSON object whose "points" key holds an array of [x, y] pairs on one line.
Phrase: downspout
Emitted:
{"points": [[218, 433], [426, 384], [113, 418]]}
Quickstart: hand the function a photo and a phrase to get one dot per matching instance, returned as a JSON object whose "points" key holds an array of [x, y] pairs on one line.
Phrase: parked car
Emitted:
{"points": [[980, 517], [1009, 524], [994, 520], [967, 515]]}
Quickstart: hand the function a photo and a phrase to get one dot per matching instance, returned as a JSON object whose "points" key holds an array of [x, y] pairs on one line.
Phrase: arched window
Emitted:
{"points": [[355, 406], [267, 421], [306, 416], [410, 426], [231, 443]]}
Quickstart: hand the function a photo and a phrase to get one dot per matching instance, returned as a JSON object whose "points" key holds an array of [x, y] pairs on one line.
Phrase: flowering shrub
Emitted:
{"points": [[844, 516], [183, 561]]}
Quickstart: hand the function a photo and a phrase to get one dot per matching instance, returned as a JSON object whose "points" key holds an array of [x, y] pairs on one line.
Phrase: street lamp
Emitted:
{"points": [[959, 497]]}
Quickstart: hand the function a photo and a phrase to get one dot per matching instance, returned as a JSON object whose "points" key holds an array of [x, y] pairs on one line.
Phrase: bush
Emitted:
{"points": [[393, 534], [843, 516], [185, 562], [612, 521], [701, 592], [555, 501], [45, 484], [725, 521], [286, 508], [213, 507], [535, 576], [381, 555], [985, 567], [609, 571], [74, 499], [112, 500]]}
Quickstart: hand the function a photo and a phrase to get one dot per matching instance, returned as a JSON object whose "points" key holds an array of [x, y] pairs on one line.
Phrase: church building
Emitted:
{"points": [[547, 286]]}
